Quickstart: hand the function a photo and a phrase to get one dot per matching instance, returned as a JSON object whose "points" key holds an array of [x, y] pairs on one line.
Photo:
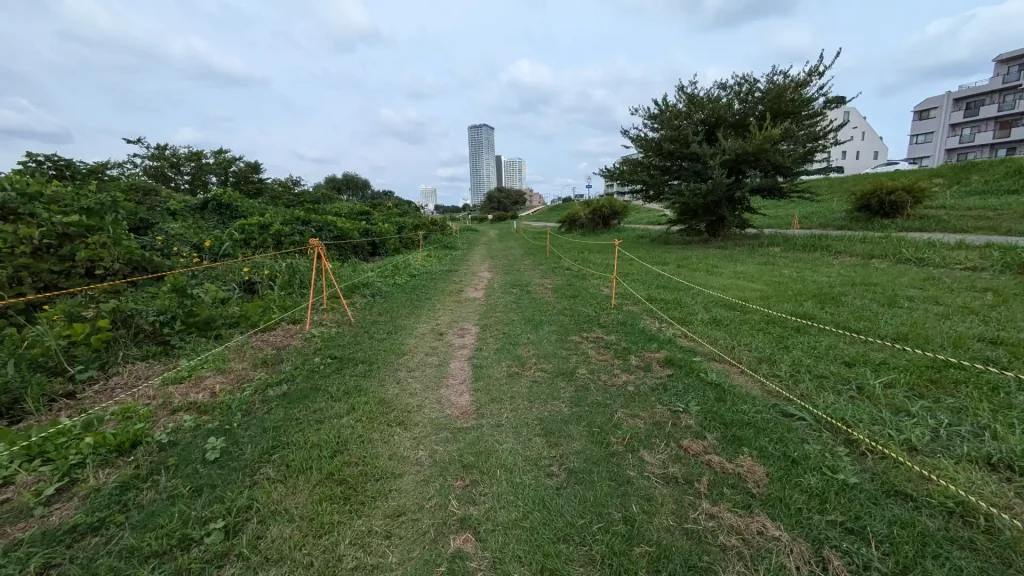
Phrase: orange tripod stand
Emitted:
{"points": [[325, 269]]}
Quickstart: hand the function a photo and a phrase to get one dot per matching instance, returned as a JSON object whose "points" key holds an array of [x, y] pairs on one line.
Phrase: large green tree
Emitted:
{"points": [[348, 186], [706, 152], [502, 199]]}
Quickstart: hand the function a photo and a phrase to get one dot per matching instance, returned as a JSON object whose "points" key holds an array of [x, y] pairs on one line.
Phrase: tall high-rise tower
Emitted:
{"points": [[482, 177]]}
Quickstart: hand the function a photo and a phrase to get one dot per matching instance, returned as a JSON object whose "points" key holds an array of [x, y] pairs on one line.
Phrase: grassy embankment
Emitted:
{"points": [[637, 214], [599, 440], [970, 197]]}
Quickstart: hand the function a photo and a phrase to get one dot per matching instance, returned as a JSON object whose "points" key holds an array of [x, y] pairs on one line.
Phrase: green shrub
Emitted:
{"points": [[66, 224], [594, 215], [499, 216], [890, 198]]}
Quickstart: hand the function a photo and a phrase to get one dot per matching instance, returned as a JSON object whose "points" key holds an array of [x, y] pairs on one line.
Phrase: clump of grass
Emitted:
{"points": [[889, 198]]}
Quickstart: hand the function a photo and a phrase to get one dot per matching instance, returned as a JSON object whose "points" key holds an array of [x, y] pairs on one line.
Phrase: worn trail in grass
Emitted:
{"points": [[502, 418]]}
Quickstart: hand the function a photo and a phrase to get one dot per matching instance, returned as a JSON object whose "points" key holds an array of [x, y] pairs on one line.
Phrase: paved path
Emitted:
{"points": [[941, 236]]}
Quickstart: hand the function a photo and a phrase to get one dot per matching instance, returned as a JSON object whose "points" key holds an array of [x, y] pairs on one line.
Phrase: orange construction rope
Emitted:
{"points": [[146, 277]]}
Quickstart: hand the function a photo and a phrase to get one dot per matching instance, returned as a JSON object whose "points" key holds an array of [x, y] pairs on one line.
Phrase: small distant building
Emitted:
{"points": [[620, 191], [860, 146], [533, 199]]}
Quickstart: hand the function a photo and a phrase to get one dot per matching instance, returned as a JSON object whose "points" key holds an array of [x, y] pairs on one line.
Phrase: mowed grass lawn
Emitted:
{"points": [[637, 214], [982, 197], [599, 441]]}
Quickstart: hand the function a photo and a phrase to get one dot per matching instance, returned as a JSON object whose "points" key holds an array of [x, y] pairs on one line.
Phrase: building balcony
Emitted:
{"points": [[973, 139], [997, 82], [992, 110], [1008, 134]]}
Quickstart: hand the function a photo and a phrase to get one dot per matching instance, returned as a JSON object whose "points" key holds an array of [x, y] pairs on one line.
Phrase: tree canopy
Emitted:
{"points": [[707, 151], [502, 199]]}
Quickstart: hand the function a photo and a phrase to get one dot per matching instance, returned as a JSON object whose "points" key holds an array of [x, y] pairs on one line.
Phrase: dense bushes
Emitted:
{"points": [[889, 198], [593, 215], [66, 224]]}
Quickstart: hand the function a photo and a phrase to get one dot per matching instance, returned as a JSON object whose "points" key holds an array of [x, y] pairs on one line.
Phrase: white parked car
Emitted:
{"points": [[891, 166]]}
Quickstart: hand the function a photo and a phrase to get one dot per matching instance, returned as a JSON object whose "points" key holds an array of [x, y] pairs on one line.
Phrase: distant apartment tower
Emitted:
{"points": [[499, 170], [482, 177], [983, 119], [514, 172], [861, 147], [428, 197]]}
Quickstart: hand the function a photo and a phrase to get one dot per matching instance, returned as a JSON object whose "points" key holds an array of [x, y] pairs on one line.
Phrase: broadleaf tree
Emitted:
{"points": [[707, 151], [502, 199]]}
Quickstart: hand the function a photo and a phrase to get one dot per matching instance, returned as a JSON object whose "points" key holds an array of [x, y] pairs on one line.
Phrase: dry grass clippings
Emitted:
{"points": [[747, 533], [463, 542], [746, 467]]}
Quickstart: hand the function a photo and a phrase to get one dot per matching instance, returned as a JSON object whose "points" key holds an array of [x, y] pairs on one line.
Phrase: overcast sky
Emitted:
{"points": [[387, 88]]}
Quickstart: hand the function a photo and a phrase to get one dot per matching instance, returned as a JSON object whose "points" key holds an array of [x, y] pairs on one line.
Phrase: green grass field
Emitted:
{"points": [[985, 197], [493, 414], [637, 214]]}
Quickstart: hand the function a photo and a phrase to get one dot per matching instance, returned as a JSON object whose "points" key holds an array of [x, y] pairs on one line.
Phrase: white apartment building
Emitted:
{"points": [[861, 147], [428, 197], [514, 173], [982, 119], [482, 173]]}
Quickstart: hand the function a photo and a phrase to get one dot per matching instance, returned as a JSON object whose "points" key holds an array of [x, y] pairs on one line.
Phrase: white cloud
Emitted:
{"points": [[21, 120], [452, 174], [550, 101], [406, 125], [119, 33], [188, 135], [316, 157], [961, 46], [723, 13]]}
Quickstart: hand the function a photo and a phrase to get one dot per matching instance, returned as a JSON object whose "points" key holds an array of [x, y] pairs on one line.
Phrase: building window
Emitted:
{"points": [[844, 155], [862, 133], [876, 155], [922, 138], [925, 114], [925, 162], [858, 155], [846, 116], [1004, 152]]}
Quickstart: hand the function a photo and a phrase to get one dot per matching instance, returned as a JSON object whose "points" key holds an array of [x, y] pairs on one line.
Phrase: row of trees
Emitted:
{"points": [[706, 151]]}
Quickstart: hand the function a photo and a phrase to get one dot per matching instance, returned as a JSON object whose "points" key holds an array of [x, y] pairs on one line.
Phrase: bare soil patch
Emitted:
{"points": [[281, 338], [479, 286], [53, 516], [743, 534], [543, 288], [744, 466], [652, 363], [463, 542], [593, 344], [457, 396], [461, 483]]}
